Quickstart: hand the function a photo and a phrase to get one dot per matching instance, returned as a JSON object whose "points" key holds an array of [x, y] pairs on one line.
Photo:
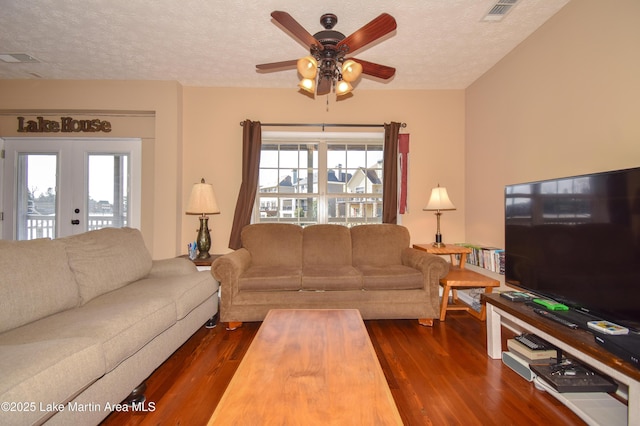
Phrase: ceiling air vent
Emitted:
{"points": [[499, 10], [17, 58]]}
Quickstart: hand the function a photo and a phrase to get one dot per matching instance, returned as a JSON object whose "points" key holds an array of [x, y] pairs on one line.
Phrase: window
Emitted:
{"points": [[308, 178]]}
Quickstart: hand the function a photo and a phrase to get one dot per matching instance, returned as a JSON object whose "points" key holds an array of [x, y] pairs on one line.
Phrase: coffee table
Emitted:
{"points": [[311, 367]]}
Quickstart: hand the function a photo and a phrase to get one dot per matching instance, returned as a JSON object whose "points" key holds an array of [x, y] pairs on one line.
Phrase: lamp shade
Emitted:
{"points": [[439, 200], [307, 67], [202, 199], [351, 70], [343, 87], [308, 85]]}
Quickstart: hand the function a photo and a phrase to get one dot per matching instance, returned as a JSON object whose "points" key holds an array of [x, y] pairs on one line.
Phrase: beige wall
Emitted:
{"points": [[213, 145], [148, 110], [195, 133], [564, 102]]}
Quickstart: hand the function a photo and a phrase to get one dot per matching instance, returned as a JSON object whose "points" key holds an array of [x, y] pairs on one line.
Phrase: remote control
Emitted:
{"points": [[552, 305], [555, 318], [533, 342]]}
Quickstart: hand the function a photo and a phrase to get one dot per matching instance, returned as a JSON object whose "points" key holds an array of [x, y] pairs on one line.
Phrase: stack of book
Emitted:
{"points": [[545, 355], [490, 258]]}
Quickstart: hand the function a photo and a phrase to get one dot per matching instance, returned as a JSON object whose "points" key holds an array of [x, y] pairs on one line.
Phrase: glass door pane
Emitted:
{"points": [[108, 191], [36, 198]]}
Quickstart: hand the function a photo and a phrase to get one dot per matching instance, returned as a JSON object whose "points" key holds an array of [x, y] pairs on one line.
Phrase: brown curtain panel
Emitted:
{"points": [[251, 146], [390, 173]]}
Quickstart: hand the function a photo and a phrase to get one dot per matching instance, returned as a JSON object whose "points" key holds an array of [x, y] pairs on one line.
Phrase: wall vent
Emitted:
{"points": [[17, 58], [499, 10]]}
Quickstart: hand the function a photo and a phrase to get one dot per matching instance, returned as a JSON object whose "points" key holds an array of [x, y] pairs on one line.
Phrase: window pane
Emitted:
{"points": [[108, 191], [336, 156], [308, 156], [289, 156], [268, 180], [269, 155], [355, 210], [36, 196], [283, 209]]}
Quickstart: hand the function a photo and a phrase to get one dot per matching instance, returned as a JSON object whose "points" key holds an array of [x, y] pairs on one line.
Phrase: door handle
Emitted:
{"points": [[75, 222]]}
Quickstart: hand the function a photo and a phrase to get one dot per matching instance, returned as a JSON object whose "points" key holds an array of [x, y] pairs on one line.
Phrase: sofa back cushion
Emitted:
{"points": [[273, 244], [35, 281], [379, 244], [107, 259], [326, 245]]}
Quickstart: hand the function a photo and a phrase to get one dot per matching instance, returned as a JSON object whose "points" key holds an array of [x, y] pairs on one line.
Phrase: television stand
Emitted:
{"points": [[578, 344]]}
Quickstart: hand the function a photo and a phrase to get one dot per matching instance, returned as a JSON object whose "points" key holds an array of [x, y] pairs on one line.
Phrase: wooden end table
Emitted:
{"points": [[459, 277], [202, 264]]}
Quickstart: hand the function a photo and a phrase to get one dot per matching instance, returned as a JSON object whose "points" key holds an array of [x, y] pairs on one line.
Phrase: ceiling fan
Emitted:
{"points": [[327, 66]]}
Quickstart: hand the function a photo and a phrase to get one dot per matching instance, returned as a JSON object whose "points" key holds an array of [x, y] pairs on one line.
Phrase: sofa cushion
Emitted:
{"points": [[391, 277], [51, 370], [336, 277], [35, 281], [273, 244], [107, 259], [268, 278], [379, 244], [123, 321], [326, 245], [187, 291]]}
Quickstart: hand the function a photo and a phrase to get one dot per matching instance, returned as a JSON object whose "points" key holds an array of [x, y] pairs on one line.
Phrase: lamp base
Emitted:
{"points": [[204, 238], [438, 242], [203, 255]]}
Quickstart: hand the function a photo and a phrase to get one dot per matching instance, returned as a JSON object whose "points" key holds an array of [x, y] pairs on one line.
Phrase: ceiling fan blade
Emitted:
{"points": [[297, 30], [324, 85], [379, 27], [376, 70], [277, 66]]}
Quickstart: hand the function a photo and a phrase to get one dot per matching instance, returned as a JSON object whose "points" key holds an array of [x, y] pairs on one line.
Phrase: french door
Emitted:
{"points": [[57, 187]]}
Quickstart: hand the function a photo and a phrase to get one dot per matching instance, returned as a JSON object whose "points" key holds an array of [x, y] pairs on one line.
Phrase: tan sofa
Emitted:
{"points": [[85, 319], [367, 267]]}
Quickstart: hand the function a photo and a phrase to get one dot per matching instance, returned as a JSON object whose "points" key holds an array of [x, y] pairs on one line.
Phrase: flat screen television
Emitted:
{"points": [[577, 240]]}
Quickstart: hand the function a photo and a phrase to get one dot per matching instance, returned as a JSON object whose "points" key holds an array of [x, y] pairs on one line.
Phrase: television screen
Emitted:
{"points": [[577, 240]]}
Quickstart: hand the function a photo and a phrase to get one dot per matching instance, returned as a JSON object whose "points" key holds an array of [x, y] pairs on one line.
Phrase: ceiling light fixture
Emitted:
{"points": [[325, 68], [333, 71]]}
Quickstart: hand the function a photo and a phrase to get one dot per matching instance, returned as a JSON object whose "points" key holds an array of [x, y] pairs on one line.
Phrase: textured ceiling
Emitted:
{"points": [[439, 44]]}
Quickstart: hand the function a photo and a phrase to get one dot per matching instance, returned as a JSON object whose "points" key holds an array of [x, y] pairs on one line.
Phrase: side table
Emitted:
{"points": [[459, 277], [451, 250], [202, 264]]}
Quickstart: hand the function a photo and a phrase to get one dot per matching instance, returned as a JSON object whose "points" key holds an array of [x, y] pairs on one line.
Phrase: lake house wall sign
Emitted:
{"points": [[65, 125]]}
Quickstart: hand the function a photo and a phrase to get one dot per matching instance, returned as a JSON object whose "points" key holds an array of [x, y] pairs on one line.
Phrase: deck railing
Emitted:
{"points": [[44, 226]]}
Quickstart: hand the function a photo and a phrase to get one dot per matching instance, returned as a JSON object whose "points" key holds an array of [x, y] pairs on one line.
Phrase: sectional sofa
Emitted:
{"points": [[85, 319]]}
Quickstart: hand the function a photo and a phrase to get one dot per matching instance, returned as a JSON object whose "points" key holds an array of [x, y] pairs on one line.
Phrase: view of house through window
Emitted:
{"points": [[320, 178]]}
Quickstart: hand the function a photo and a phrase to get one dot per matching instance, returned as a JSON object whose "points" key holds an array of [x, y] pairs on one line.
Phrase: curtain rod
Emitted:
{"points": [[323, 125]]}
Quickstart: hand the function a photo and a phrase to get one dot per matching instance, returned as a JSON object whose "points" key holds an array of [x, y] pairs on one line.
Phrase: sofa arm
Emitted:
{"points": [[433, 267], [170, 267], [227, 268]]}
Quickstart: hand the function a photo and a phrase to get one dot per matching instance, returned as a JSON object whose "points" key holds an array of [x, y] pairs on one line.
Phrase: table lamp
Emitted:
{"points": [[202, 201], [439, 201]]}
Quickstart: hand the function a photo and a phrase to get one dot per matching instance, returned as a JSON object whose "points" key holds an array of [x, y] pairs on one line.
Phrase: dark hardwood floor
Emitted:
{"points": [[438, 375]]}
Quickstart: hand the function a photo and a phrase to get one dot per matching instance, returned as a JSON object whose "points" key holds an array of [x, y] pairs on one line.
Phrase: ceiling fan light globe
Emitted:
{"points": [[351, 70], [343, 87], [308, 85], [307, 67]]}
